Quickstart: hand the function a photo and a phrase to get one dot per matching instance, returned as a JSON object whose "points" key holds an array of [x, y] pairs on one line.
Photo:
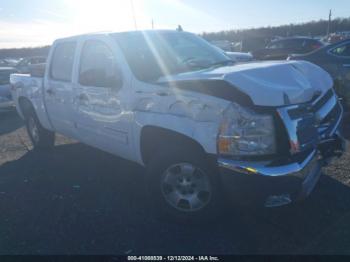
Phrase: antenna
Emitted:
{"points": [[133, 13], [329, 22]]}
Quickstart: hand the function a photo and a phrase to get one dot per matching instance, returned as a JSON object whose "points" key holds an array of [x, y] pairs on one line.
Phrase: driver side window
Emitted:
{"points": [[98, 65]]}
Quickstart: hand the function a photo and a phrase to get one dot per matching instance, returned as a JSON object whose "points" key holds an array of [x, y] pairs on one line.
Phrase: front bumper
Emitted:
{"points": [[270, 186]]}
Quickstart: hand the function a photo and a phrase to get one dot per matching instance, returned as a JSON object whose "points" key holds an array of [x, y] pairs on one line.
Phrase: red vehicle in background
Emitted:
{"points": [[282, 48]]}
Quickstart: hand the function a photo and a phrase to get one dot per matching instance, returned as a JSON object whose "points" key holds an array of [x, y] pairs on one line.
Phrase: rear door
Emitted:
{"points": [[58, 87]]}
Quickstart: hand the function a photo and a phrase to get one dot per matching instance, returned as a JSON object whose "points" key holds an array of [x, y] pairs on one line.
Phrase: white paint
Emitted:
{"points": [[268, 82], [113, 119]]}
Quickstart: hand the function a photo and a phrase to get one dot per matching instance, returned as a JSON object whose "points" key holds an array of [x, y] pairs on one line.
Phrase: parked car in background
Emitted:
{"points": [[24, 64], [200, 124], [6, 101], [223, 44], [250, 43], [4, 63], [10, 62], [240, 57], [335, 59], [282, 48]]}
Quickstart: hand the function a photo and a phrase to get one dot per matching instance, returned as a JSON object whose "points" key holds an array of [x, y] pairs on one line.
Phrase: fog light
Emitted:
{"points": [[277, 201]]}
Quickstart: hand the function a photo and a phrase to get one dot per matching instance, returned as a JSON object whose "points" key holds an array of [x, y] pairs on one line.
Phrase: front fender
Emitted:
{"points": [[202, 132]]}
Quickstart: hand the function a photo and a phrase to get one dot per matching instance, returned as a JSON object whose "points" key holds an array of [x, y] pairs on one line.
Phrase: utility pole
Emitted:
{"points": [[329, 23], [152, 24], [133, 13]]}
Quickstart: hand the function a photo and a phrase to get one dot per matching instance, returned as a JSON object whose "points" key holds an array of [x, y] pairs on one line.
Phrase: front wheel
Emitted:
{"points": [[40, 137], [184, 186]]}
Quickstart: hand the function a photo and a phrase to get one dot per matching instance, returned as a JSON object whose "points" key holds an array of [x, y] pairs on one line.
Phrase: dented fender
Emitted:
{"points": [[193, 115]]}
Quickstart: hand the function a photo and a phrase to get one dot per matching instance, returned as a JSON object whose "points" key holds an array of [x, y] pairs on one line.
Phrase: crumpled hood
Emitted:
{"points": [[273, 83]]}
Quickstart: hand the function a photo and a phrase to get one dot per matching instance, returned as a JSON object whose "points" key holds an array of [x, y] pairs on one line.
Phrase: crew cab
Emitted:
{"points": [[205, 128]]}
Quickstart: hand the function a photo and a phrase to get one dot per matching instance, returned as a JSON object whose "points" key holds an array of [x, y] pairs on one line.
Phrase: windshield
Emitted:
{"points": [[153, 54]]}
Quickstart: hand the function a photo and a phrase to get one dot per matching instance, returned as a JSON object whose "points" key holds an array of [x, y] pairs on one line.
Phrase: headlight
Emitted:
{"points": [[246, 133]]}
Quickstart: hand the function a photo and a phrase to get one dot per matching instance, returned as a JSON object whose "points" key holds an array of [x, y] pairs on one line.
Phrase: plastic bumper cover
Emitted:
{"points": [[270, 186]]}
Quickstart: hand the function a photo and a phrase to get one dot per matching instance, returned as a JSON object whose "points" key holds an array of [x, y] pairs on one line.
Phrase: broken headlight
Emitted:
{"points": [[246, 133]]}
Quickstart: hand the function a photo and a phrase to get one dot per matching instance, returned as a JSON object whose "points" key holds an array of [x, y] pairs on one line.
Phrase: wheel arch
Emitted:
{"points": [[155, 137], [25, 106]]}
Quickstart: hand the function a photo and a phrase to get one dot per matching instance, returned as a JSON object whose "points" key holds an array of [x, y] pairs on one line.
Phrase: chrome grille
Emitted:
{"points": [[309, 123]]}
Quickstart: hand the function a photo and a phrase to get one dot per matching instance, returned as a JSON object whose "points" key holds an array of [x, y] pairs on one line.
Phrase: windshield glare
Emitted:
{"points": [[152, 55]]}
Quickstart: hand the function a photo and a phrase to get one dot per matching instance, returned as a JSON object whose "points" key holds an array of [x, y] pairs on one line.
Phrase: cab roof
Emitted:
{"points": [[109, 33]]}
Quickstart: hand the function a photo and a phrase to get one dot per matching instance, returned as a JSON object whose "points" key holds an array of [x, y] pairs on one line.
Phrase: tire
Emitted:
{"points": [[170, 182], [40, 137]]}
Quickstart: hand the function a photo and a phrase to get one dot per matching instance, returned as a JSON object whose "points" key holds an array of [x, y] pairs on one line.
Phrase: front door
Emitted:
{"points": [[101, 115]]}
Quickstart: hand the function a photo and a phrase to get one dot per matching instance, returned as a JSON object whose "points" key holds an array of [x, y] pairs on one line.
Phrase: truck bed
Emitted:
{"points": [[30, 87]]}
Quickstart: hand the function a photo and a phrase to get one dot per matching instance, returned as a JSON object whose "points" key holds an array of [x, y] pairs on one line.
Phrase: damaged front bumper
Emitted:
{"points": [[272, 184]]}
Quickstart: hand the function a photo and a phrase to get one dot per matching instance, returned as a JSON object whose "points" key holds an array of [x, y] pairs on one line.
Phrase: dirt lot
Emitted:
{"points": [[78, 200]]}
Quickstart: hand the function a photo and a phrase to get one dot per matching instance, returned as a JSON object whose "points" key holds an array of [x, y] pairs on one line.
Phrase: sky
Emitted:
{"points": [[26, 23]]}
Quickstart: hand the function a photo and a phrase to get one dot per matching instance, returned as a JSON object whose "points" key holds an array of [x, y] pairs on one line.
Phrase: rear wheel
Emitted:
{"points": [[183, 185], [40, 137]]}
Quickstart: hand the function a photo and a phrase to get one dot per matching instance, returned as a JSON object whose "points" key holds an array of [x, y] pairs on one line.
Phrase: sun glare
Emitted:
{"points": [[108, 15]]}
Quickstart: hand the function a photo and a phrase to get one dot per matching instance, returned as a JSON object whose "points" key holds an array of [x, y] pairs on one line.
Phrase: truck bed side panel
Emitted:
{"points": [[32, 89]]}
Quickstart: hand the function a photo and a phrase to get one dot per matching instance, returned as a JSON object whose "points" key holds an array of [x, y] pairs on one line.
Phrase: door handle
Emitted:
{"points": [[50, 92]]}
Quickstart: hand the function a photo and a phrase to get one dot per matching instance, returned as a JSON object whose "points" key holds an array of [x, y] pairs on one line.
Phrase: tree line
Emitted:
{"points": [[24, 52], [313, 28], [261, 35]]}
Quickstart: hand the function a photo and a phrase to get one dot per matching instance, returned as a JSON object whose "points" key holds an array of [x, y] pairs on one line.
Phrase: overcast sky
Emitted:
{"points": [[39, 22]]}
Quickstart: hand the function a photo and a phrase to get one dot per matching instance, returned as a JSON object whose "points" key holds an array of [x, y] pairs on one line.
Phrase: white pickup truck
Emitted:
{"points": [[204, 127]]}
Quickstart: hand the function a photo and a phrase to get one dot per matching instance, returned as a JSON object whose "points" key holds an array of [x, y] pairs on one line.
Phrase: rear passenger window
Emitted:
{"points": [[62, 61]]}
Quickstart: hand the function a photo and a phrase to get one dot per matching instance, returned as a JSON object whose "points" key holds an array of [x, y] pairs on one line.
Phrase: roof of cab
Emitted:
{"points": [[76, 37]]}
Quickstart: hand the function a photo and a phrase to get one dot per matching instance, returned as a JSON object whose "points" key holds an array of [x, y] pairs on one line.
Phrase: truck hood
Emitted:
{"points": [[273, 83]]}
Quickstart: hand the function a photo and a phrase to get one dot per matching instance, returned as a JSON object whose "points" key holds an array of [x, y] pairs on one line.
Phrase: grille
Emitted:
{"points": [[301, 110], [319, 103], [309, 123]]}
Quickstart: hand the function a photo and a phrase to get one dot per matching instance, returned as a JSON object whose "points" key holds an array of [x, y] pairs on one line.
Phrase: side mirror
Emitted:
{"points": [[100, 78]]}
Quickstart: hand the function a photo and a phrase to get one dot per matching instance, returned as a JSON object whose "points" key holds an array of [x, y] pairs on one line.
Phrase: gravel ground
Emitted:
{"points": [[78, 200]]}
